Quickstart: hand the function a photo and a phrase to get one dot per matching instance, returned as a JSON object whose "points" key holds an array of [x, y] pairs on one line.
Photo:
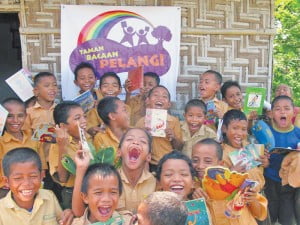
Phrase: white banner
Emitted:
{"points": [[118, 39]]}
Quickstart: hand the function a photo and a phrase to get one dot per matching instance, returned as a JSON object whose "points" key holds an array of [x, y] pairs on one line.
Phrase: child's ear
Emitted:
{"points": [[119, 152], [75, 82], [35, 92], [221, 163], [84, 198], [148, 158], [111, 116], [5, 181]]}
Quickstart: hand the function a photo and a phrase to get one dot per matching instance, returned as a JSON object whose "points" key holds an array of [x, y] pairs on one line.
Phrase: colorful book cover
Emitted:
{"points": [[86, 100], [136, 77], [3, 116], [21, 84], [254, 100], [83, 140], [44, 133], [211, 112], [197, 212], [156, 121], [247, 155]]}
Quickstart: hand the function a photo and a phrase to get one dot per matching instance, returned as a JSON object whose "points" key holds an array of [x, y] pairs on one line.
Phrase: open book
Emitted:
{"points": [[3, 116], [197, 212]]}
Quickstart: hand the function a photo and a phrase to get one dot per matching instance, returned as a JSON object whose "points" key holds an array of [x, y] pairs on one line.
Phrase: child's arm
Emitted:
{"points": [[199, 193], [128, 93], [173, 134], [82, 160], [66, 217]]}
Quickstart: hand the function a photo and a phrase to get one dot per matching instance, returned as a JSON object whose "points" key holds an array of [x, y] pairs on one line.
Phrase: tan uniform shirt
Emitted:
{"points": [[138, 108], [106, 139]]}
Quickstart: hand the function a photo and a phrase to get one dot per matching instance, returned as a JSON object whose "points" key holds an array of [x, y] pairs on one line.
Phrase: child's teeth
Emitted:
{"points": [[26, 192]]}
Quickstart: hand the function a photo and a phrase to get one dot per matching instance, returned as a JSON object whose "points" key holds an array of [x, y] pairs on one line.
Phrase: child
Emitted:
{"points": [[68, 116], [235, 128], [85, 79], [137, 181], [114, 115], [100, 190], [137, 103], [45, 91], [159, 98], [232, 95], [210, 84], [175, 173], [26, 203], [14, 136], [165, 203], [282, 199], [208, 153], [193, 128]]}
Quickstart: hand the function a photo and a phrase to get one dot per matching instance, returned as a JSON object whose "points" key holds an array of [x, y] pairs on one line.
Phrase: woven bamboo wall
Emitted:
{"points": [[231, 36]]}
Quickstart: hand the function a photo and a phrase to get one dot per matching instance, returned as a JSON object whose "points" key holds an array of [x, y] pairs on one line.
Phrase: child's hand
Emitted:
{"points": [[82, 159], [219, 113], [134, 220], [264, 160], [62, 136], [169, 134], [253, 116], [127, 85], [94, 130], [66, 217], [250, 195], [239, 167], [199, 193]]}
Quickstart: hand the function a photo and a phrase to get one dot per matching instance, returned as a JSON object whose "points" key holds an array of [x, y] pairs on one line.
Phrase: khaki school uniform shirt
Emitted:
{"points": [[161, 145], [133, 196], [189, 141], [9, 142], [138, 108], [45, 211], [106, 139], [290, 170]]}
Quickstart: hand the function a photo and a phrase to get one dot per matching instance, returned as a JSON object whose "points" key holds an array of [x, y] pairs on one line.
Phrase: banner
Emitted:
{"points": [[119, 39]]}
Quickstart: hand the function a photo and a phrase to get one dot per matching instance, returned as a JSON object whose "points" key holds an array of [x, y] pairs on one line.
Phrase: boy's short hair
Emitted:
{"points": [[233, 114], [14, 101], [102, 169], [154, 76], [20, 155], [281, 97], [175, 154], [110, 74], [84, 65], [210, 141], [149, 137], [195, 103], [61, 111], [159, 86], [37, 78], [165, 208], [228, 84], [218, 76], [105, 106]]}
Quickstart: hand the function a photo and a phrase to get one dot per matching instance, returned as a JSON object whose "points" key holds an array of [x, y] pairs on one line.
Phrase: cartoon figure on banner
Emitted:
{"points": [[142, 35], [128, 33]]}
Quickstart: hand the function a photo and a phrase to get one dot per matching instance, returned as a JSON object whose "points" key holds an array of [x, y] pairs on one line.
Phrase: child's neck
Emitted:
{"points": [[133, 175], [18, 135], [284, 130], [25, 205], [208, 98], [45, 104], [117, 131]]}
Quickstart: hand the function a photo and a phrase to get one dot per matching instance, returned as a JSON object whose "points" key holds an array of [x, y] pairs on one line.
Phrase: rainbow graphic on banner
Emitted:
{"points": [[100, 25]]}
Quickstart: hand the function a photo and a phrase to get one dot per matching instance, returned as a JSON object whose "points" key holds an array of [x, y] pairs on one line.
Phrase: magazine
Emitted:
{"points": [[86, 100], [197, 212], [156, 121], [254, 100], [44, 133], [136, 77], [3, 117]]}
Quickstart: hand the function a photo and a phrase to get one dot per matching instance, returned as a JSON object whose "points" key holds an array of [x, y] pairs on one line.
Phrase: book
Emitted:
{"points": [[83, 140], [86, 100], [156, 121], [3, 117], [211, 113], [283, 151], [136, 77], [21, 84], [247, 155], [197, 212], [254, 100], [44, 133]]}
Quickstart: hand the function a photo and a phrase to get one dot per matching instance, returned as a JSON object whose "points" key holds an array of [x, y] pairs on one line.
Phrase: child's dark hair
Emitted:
{"points": [[175, 154], [41, 75], [154, 76], [281, 97], [84, 65], [61, 111], [233, 114], [228, 84], [20, 155], [217, 75], [105, 106], [102, 169], [210, 141], [195, 103], [159, 86], [110, 74], [149, 137], [13, 100]]}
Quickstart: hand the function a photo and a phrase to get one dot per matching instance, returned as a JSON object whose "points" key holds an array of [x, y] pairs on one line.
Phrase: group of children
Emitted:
{"points": [[125, 194]]}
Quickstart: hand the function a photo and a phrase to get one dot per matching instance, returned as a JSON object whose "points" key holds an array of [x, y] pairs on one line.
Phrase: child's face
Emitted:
{"points": [[236, 132], [149, 83], [142, 215], [176, 177], [135, 149], [283, 89], [24, 182], [46, 88], [86, 79], [204, 156], [159, 99], [234, 97], [208, 86], [110, 87], [121, 116], [76, 116], [194, 118], [16, 117], [282, 114], [102, 197]]}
